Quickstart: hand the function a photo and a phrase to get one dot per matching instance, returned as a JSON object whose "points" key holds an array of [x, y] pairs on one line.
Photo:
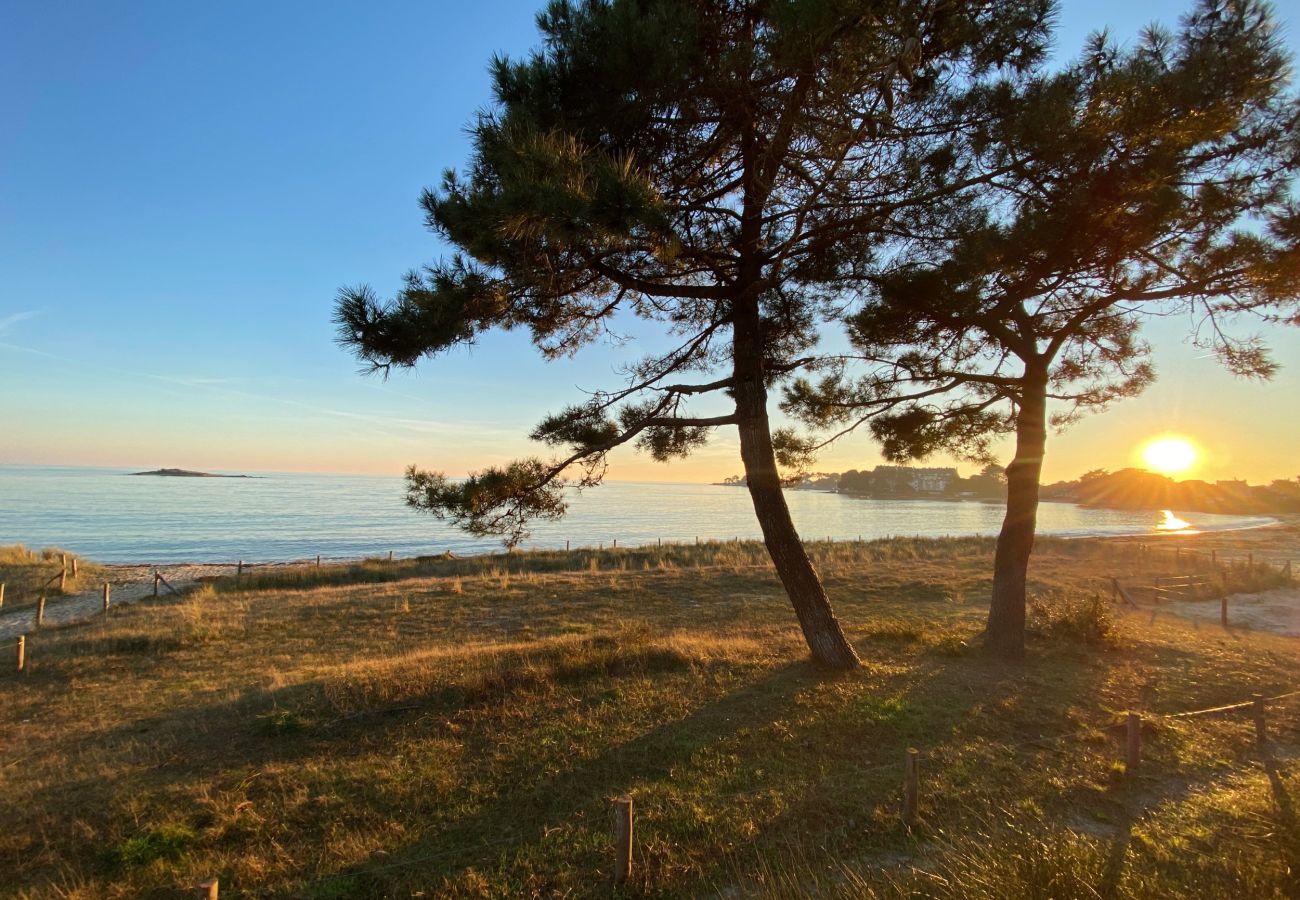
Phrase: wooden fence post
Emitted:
{"points": [[2, 595], [911, 786], [207, 890], [1223, 610], [615, 543], [22, 652], [40, 611], [1133, 744], [566, 546], [74, 567], [239, 571], [1258, 709], [63, 575], [622, 839], [390, 555], [318, 560], [156, 577], [106, 590]]}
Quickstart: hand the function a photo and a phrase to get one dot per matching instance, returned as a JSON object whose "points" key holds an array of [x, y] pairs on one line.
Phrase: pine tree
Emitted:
{"points": [[725, 169], [1136, 182]]}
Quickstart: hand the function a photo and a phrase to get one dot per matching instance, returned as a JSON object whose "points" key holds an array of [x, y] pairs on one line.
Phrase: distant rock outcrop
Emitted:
{"points": [[186, 473]]}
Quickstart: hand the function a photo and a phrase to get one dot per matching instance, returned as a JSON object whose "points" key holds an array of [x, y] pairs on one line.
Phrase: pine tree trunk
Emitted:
{"points": [[821, 629], [1005, 633]]}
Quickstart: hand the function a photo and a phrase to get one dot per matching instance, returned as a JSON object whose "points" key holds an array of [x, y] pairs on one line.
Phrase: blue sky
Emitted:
{"points": [[184, 187]]}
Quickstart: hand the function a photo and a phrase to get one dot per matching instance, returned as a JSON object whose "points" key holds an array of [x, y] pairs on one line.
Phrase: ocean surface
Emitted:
{"points": [[110, 516]]}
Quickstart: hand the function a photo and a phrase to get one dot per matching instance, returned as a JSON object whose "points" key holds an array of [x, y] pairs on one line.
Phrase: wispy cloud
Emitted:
{"points": [[8, 322]]}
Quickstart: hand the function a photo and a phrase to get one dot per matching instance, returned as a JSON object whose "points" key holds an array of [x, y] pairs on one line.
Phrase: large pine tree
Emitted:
{"points": [[725, 168], [1148, 181]]}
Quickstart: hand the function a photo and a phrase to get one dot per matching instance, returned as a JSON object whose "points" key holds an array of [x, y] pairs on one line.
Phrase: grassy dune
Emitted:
{"points": [[457, 728], [27, 574]]}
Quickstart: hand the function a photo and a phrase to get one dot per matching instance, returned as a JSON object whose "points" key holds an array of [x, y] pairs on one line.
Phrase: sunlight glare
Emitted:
{"points": [[1169, 455]]}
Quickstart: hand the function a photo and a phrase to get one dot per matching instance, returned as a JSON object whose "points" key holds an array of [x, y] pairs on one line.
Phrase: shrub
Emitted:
{"points": [[1079, 617]]}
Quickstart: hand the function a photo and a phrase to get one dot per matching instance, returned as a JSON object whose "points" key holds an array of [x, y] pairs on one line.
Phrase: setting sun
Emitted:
{"points": [[1169, 455]]}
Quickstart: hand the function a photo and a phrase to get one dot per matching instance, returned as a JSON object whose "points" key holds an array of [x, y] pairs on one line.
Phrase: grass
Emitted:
{"points": [[29, 574], [455, 728]]}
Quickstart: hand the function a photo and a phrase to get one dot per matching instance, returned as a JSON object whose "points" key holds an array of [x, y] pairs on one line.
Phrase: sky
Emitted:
{"points": [[185, 187]]}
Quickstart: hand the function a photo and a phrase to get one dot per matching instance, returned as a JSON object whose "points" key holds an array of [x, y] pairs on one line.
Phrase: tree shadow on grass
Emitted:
{"points": [[825, 748], [822, 803]]}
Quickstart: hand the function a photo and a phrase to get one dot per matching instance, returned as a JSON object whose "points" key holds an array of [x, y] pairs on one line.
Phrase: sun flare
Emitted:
{"points": [[1169, 455]]}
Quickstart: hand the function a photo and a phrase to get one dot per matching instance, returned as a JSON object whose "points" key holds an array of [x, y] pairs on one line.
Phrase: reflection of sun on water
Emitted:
{"points": [[1172, 523]]}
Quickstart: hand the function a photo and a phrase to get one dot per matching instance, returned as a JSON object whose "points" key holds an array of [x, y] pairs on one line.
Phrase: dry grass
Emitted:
{"points": [[29, 574], [456, 727]]}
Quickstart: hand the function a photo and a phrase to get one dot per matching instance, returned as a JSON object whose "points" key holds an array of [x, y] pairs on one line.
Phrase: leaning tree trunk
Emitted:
{"points": [[821, 629], [1005, 633]]}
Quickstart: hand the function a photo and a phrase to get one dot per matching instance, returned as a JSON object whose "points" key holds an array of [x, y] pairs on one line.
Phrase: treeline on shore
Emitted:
{"points": [[1101, 489], [1140, 489], [901, 483]]}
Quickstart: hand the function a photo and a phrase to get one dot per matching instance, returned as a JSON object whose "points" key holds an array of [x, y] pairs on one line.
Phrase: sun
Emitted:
{"points": [[1169, 455]]}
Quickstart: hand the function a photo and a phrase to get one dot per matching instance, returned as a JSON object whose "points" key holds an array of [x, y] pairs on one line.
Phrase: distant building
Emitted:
{"points": [[905, 479]]}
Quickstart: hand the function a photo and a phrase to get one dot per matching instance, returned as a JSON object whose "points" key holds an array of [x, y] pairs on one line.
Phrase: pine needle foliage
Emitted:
{"points": [[1153, 180], [726, 170]]}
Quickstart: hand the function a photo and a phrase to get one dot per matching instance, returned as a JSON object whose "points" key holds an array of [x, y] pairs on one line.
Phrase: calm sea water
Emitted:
{"points": [[107, 515]]}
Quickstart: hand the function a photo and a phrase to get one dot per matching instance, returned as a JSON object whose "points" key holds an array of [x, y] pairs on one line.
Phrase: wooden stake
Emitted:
{"points": [[40, 611], [318, 560], [207, 890], [1223, 610], [622, 839], [106, 590], [390, 555], [22, 652], [74, 567], [1133, 755], [911, 786], [2, 595], [239, 571], [1260, 732], [615, 543], [566, 546], [156, 576], [63, 575]]}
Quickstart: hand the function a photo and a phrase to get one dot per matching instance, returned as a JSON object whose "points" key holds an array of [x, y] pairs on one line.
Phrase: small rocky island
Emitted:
{"points": [[186, 473]]}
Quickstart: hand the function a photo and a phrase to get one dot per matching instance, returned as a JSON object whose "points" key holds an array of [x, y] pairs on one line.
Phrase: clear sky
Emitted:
{"points": [[184, 187]]}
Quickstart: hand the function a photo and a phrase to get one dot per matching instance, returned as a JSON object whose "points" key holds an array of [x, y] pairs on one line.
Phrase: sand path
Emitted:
{"points": [[129, 583], [1277, 610]]}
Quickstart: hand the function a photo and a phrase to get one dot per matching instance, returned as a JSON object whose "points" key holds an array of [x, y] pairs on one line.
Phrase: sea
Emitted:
{"points": [[112, 516]]}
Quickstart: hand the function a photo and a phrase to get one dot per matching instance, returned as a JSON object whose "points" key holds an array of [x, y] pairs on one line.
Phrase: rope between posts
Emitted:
{"points": [[1215, 709]]}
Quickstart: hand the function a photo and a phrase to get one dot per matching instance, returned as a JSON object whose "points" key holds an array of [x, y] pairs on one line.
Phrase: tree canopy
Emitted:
{"points": [[727, 170], [1153, 180]]}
